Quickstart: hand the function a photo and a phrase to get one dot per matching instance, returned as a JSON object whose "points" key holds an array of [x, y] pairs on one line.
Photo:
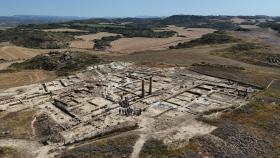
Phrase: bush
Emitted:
{"points": [[35, 38], [105, 42], [63, 63], [217, 37]]}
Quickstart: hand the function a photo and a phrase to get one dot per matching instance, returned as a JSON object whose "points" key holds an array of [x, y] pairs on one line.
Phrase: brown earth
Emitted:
{"points": [[187, 57], [14, 79], [17, 124], [262, 35], [138, 44], [86, 41], [9, 52]]}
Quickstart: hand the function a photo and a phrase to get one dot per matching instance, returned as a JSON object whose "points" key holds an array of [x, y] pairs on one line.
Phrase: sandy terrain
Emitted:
{"points": [[18, 53], [64, 30], [15, 79], [138, 44], [86, 41]]}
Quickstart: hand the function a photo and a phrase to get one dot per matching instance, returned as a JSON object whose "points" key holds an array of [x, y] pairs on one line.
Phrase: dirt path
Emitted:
{"points": [[272, 81], [138, 146]]}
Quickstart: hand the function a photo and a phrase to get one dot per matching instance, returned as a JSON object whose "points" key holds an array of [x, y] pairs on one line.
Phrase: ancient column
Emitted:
{"points": [[151, 86], [143, 88]]}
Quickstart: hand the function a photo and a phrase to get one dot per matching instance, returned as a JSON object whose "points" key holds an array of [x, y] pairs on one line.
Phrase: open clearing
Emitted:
{"points": [[18, 53], [86, 41], [22, 78], [138, 44]]}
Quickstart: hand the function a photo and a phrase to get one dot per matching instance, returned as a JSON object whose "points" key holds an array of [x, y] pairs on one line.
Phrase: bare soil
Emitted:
{"points": [[86, 41], [10, 52], [187, 57], [138, 44], [14, 79]]}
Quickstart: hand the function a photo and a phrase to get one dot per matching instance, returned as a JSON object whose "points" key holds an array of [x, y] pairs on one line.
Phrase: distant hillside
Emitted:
{"points": [[12, 21]]}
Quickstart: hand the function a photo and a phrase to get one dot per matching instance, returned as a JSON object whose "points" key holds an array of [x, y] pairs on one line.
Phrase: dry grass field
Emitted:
{"points": [[86, 41], [81, 44], [14, 79], [139, 44], [18, 123], [10, 52], [187, 57], [264, 36]]}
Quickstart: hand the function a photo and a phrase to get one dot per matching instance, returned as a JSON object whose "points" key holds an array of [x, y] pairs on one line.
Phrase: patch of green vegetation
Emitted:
{"points": [[255, 123], [251, 53], [17, 125], [7, 152], [219, 25], [63, 63], [245, 47], [217, 37], [157, 149], [131, 30], [99, 25], [7, 71], [218, 66], [106, 148], [194, 21], [105, 42], [137, 29], [272, 25], [40, 26], [35, 38], [261, 110]]}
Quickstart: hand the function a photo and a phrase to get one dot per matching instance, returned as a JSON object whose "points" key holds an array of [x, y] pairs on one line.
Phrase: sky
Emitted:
{"points": [[132, 8]]}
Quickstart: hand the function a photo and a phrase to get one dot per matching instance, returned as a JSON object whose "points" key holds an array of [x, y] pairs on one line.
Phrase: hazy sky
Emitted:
{"points": [[125, 8]]}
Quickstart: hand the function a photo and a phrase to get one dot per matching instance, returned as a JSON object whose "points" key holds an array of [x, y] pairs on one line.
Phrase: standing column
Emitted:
{"points": [[143, 88], [151, 86]]}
